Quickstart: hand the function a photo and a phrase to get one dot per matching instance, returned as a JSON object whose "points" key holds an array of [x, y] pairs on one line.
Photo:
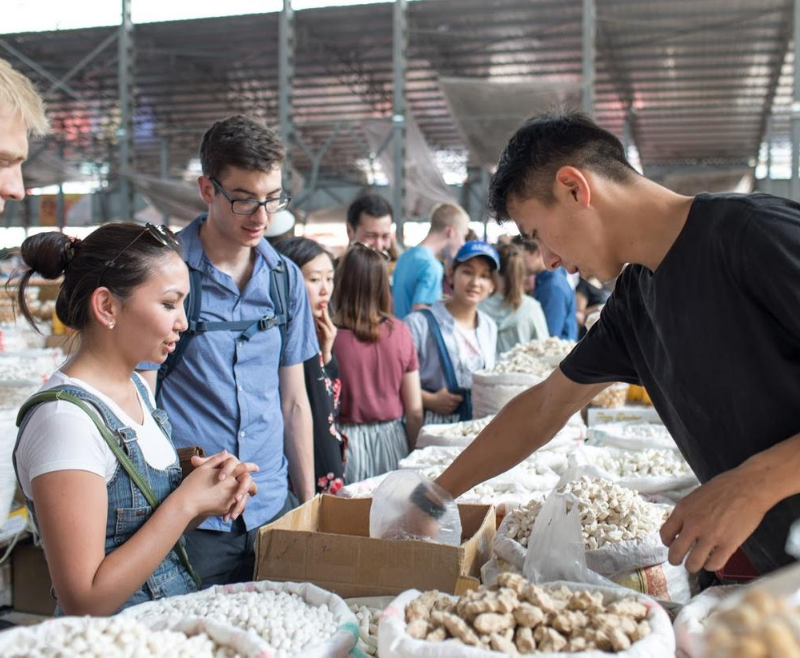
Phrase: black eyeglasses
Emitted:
{"points": [[249, 206], [383, 254], [161, 233]]}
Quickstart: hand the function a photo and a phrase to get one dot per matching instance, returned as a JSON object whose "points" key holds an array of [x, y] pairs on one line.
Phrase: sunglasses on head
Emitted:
{"points": [[160, 233]]}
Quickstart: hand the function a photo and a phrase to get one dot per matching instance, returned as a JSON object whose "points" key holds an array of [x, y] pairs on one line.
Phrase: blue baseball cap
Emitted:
{"points": [[476, 248]]}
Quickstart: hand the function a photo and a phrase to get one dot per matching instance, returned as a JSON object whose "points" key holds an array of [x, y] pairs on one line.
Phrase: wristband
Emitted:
{"points": [[420, 499]]}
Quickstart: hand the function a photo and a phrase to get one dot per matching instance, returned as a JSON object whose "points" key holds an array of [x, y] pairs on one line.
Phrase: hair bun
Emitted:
{"points": [[48, 253]]}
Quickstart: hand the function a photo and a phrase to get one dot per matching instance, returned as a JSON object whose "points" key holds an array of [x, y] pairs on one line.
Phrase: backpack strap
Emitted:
{"points": [[278, 293], [465, 408], [119, 453]]}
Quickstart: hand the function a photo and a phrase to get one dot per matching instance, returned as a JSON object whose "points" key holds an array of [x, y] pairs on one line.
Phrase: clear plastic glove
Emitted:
{"points": [[408, 506]]}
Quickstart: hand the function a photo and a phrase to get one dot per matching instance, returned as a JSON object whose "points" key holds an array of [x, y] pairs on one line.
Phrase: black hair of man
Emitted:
{"points": [[371, 204], [525, 243], [242, 142], [541, 146]]}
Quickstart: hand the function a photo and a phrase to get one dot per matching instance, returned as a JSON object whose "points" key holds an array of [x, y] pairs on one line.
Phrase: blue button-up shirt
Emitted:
{"points": [[557, 298], [224, 394]]}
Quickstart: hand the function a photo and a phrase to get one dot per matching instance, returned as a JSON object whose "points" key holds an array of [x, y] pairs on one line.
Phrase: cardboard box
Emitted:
{"points": [[640, 413], [31, 580], [326, 542]]}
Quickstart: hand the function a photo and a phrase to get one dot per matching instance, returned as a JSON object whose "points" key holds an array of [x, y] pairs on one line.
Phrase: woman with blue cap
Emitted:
{"points": [[454, 338]]}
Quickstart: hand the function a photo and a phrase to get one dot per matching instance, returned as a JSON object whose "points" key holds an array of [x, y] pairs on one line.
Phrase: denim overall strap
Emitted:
{"points": [[464, 410], [54, 395], [159, 415]]}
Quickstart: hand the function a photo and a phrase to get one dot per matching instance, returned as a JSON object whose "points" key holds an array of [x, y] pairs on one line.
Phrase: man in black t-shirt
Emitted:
{"points": [[706, 317]]}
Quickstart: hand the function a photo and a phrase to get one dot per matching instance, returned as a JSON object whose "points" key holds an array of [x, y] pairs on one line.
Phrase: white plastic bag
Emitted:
{"points": [[556, 537], [394, 642], [393, 515], [338, 645]]}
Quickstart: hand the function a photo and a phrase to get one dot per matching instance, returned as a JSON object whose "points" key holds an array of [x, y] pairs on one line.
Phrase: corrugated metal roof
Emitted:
{"points": [[699, 76]]}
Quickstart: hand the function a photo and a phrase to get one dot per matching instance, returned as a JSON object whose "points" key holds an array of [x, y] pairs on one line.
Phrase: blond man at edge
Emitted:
{"points": [[705, 316], [419, 272], [21, 114]]}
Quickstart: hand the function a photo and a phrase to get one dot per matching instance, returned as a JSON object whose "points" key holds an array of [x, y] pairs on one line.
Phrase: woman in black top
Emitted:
{"points": [[321, 371]]}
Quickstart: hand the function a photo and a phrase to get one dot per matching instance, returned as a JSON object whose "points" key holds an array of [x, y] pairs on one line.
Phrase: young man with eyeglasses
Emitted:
{"points": [[243, 391]]}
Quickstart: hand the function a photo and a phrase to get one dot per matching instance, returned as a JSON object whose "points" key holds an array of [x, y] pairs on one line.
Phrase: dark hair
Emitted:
{"points": [[512, 271], [371, 204], [240, 141], [362, 297], [130, 248], [301, 250], [525, 243], [544, 144]]}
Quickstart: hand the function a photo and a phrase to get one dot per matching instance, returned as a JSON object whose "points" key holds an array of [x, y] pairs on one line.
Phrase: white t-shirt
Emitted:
{"points": [[469, 349], [60, 436]]}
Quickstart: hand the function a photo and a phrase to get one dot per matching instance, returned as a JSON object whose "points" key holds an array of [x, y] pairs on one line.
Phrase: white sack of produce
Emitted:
{"points": [[618, 528], [756, 623], [368, 611], [122, 637], [462, 434], [631, 435], [648, 471], [548, 350], [521, 618], [690, 624], [8, 477], [494, 389], [294, 619], [452, 434]]}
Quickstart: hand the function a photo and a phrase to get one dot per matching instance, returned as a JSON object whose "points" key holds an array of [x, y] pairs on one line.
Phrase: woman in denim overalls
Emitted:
{"points": [[115, 542]]}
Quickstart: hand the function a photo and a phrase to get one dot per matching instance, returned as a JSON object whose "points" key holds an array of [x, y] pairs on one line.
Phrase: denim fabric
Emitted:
{"points": [[127, 507]]}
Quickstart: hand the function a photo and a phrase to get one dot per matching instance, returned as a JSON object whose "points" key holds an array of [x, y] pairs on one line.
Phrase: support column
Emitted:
{"points": [[794, 181], [485, 178], [125, 132], [589, 52], [60, 205], [768, 139], [400, 46], [286, 46], [165, 170]]}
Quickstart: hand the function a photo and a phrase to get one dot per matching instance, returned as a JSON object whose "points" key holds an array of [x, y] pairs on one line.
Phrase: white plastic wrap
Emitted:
{"points": [[395, 642]]}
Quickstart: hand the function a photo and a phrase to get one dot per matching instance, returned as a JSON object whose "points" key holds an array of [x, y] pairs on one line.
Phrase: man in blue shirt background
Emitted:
{"points": [[419, 272], [227, 392], [553, 292]]}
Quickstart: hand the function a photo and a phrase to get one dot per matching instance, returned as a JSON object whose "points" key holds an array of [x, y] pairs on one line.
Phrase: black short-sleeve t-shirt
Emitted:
{"points": [[714, 336]]}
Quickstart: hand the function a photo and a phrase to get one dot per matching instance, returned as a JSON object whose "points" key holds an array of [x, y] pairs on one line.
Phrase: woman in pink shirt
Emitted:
{"points": [[381, 409]]}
